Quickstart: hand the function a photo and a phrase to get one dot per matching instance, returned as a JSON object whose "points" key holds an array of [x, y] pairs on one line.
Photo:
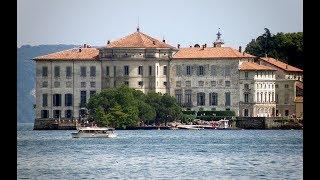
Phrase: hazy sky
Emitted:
{"points": [[186, 22]]}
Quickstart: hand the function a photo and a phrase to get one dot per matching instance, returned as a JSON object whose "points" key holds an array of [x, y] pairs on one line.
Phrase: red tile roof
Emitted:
{"points": [[251, 66], [72, 54], [281, 65], [298, 99], [138, 40], [209, 52]]}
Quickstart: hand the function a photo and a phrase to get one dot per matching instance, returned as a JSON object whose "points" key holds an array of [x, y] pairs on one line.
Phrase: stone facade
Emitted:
{"points": [[61, 84]]}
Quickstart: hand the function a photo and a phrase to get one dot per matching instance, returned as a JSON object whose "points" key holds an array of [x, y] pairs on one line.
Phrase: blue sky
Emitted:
{"points": [[186, 22]]}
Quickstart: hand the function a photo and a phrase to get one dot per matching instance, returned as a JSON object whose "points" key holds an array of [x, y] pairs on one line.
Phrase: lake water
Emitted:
{"points": [[161, 154]]}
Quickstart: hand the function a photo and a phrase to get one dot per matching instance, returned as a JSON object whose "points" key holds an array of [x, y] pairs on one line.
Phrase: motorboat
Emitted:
{"points": [[94, 132]]}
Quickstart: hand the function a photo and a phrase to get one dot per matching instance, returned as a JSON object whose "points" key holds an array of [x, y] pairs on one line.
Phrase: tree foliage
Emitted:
{"points": [[283, 46], [123, 107]]}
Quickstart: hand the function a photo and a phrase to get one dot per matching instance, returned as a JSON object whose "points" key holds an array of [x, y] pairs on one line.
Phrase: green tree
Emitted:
{"points": [[283, 46]]}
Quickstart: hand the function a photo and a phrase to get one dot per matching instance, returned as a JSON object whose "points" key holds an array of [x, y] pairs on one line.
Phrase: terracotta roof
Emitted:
{"points": [[138, 40], [298, 99], [209, 52], [70, 54], [299, 84], [251, 66], [281, 65]]}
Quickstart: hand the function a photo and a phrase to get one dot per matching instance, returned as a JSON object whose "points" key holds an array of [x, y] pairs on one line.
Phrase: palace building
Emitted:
{"points": [[209, 77]]}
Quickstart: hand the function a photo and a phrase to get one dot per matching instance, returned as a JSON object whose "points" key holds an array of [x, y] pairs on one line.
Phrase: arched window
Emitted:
{"points": [[272, 97], [269, 99], [265, 97], [261, 97]]}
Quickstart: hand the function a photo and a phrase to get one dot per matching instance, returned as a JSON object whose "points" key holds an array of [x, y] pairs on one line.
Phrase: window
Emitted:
{"points": [[45, 84], [286, 112], [68, 99], [227, 70], [188, 97], [246, 112], [68, 114], [265, 97], [188, 69], [83, 71], [56, 84], [93, 84], [114, 70], [44, 100], [68, 72], [277, 98], [107, 71], [261, 100], [286, 86], [150, 70], [227, 83], [83, 98], [201, 99], [44, 113], [165, 84], [258, 97], [126, 70], [246, 97], [246, 86], [272, 97], [56, 113], [213, 83], [178, 96], [178, 71], [213, 70], [57, 71], [213, 99], [164, 70], [140, 83], [44, 71], [178, 83], [200, 83], [228, 99], [68, 84], [269, 100], [276, 85], [56, 99], [92, 93], [83, 84], [157, 70], [126, 83], [92, 71], [200, 70], [188, 83], [246, 75], [140, 70]]}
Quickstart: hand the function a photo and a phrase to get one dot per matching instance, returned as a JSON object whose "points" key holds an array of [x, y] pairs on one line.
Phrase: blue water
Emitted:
{"points": [[164, 154]]}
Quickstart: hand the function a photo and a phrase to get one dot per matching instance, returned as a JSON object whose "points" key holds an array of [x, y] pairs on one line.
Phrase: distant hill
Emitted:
{"points": [[26, 77]]}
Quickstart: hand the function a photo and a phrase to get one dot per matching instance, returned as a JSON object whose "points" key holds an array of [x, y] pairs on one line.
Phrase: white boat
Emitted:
{"points": [[94, 132]]}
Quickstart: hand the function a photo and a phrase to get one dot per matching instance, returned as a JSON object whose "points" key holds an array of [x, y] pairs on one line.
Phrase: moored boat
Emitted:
{"points": [[94, 132]]}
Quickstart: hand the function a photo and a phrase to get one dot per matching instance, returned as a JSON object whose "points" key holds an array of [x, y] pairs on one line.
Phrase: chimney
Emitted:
{"points": [[108, 42], [214, 45], [240, 48], [202, 47], [266, 55], [84, 45], [178, 46], [164, 41], [205, 45], [80, 49], [191, 46]]}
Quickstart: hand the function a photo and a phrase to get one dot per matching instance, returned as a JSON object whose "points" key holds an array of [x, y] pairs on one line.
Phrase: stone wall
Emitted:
{"points": [[50, 124], [266, 123]]}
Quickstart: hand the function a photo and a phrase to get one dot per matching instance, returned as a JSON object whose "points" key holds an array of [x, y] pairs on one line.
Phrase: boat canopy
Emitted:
{"points": [[95, 129]]}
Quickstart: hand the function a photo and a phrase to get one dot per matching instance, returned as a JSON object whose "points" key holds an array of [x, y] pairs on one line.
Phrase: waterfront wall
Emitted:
{"points": [[50, 124], [266, 123]]}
